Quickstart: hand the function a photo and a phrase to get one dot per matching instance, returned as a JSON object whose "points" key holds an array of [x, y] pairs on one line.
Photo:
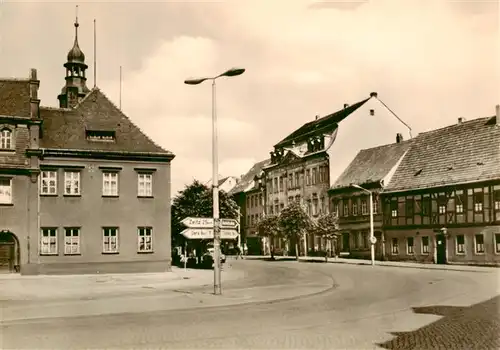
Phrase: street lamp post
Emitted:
{"points": [[372, 236], [215, 171]]}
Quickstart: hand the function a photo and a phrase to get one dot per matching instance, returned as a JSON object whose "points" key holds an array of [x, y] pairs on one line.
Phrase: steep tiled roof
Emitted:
{"points": [[327, 122], [247, 179], [459, 153], [15, 97], [373, 164], [66, 128]]}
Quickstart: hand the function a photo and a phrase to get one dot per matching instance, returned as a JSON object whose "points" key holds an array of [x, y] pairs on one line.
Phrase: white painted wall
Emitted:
{"points": [[360, 130]]}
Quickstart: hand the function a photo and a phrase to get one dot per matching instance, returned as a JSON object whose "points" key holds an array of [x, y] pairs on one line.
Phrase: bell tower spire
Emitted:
{"points": [[75, 88]]}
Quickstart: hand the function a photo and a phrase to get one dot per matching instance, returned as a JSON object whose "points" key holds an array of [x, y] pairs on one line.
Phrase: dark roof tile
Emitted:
{"points": [[66, 128], [15, 97], [327, 122], [373, 164], [247, 179], [460, 153]]}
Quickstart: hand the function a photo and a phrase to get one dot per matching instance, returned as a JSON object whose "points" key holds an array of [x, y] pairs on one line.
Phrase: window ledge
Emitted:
{"points": [[110, 253], [72, 254], [480, 253], [6, 204], [48, 194], [49, 254], [145, 252], [145, 197], [8, 150], [110, 196], [72, 195]]}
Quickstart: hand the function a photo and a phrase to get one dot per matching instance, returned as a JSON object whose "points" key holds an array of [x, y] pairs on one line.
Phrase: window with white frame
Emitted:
{"points": [[496, 200], [5, 190], [145, 185], [479, 244], [110, 240], [346, 208], [478, 201], [6, 139], [410, 246], [459, 201], [460, 244], [425, 244], [354, 206], [375, 205], [72, 183], [48, 184], [395, 246], [497, 243], [145, 239], [48, 241], [442, 209], [394, 209], [71, 241], [110, 183], [364, 209]]}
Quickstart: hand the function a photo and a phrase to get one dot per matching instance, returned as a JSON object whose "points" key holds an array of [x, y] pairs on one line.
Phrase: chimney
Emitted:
{"points": [[317, 117], [373, 94], [346, 105], [34, 101], [460, 121], [399, 138], [498, 114]]}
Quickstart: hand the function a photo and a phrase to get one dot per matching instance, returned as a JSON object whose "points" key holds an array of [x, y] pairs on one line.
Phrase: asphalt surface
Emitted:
{"points": [[351, 307]]}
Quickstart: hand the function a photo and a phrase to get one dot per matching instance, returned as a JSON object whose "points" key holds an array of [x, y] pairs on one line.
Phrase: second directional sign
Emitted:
{"points": [[209, 223]]}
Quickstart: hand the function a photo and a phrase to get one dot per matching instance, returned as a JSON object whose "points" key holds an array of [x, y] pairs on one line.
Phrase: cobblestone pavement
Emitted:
{"points": [[371, 307]]}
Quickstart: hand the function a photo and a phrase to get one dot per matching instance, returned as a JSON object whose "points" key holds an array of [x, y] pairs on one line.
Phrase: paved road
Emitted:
{"points": [[370, 307]]}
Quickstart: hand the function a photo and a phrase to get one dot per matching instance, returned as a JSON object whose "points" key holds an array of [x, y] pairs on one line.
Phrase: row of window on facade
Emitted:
{"points": [[313, 176], [459, 201], [360, 240], [72, 184], [355, 206], [253, 219], [255, 200], [49, 242]]}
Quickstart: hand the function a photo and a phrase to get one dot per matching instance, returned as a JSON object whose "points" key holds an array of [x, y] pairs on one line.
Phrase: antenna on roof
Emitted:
{"points": [[120, 88], [95, 64]]}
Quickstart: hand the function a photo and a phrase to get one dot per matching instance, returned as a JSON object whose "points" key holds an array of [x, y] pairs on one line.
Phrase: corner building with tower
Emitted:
{"points": [[82, 188]]}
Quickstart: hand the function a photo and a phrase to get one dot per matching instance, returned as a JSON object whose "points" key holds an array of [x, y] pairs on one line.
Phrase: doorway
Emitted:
{"points": [[441, 249], [345, 242], [9, 253]]}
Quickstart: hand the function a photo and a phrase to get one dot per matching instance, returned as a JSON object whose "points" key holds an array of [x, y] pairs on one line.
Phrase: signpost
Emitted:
{"points": [[208, 233], [209, 223]]}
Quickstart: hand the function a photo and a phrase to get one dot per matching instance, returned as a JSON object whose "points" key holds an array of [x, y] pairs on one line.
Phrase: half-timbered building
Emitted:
{"points": [[443, 202]]}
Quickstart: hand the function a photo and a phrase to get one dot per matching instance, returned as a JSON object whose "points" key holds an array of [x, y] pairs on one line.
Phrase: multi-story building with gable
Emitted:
{"points": [[82, 188], [305, 162], [442, 204]]}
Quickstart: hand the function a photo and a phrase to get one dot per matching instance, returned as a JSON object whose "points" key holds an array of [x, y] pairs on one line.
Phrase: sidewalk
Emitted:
{"points": [[69, 287], [448, 267]]}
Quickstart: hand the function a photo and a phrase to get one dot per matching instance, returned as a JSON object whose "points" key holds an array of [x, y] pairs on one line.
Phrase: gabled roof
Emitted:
{"points": [[372, 165], [15, 97], [460, 153], [327, 123], [246, 182], [65, 128]]}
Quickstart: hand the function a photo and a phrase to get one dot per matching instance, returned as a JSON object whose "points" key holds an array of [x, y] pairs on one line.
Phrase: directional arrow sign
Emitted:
{"points": [[198, 222], [209, 223], [200, 233]]}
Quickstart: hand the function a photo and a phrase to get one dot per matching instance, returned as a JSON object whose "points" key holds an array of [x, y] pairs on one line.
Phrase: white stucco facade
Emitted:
{"points": [[383, 126]]}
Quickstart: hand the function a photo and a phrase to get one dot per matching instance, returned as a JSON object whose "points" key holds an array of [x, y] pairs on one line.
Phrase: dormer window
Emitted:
{"points": [[100, 135], [6, 139]]}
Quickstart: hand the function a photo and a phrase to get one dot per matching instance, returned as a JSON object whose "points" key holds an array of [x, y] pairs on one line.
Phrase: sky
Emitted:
{"points": [[431, 61]]}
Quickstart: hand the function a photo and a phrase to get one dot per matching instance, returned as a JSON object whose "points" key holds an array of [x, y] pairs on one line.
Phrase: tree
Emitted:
{"points": [[196, 201], [293, 222], [327, 226], [269, 227]]}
